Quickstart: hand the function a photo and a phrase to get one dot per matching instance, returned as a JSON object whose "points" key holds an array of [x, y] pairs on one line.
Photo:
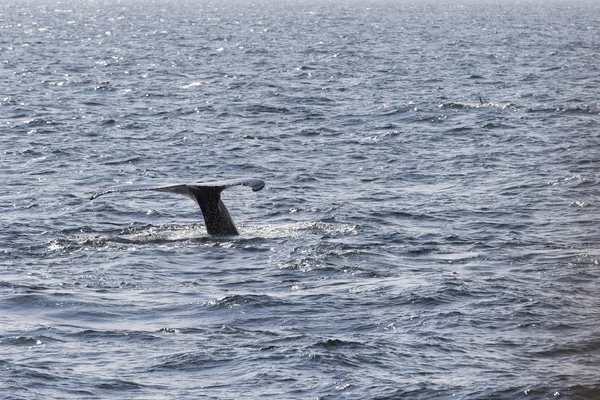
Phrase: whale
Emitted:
{"points": [[217, 219]]}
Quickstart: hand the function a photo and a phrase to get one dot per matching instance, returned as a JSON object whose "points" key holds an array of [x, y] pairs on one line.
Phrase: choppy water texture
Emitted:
{"points": [[429, 229]]}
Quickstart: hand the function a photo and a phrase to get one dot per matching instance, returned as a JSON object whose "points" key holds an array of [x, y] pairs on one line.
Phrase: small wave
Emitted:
{"points": [[77, 243], [299, 229], [583, 109], [457, 257], [23, 341], [193, 85], [126, 160], [461, 129], [260, 109], [194, 360], [320, 131], [16, 287], [570, 180], [382, 136], [557, 68], [88, 334], [238, 300], [36, 122], [462, 106], [168, 232], [336, 343], [118, 385]]}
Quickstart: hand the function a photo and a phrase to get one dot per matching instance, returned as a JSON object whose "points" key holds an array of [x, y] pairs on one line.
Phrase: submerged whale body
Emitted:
{"points": [[208, 196]]}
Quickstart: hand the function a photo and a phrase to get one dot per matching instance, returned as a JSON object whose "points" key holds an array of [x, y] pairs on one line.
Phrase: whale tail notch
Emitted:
{"points": [[208, 196]]}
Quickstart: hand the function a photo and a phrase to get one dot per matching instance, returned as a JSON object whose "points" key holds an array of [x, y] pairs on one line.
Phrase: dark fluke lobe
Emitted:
{"points": [[208, 196]]}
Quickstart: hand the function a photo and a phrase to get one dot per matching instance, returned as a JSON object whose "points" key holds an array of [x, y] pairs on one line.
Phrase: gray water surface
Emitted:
{"points": [[429, 228]]}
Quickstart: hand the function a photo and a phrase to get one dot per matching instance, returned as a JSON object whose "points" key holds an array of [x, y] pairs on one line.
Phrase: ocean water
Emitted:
{"points": [[428, 229]]}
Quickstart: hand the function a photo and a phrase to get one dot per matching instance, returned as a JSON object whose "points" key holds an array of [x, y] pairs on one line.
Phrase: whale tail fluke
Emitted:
{"points": [[208, 196]]}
